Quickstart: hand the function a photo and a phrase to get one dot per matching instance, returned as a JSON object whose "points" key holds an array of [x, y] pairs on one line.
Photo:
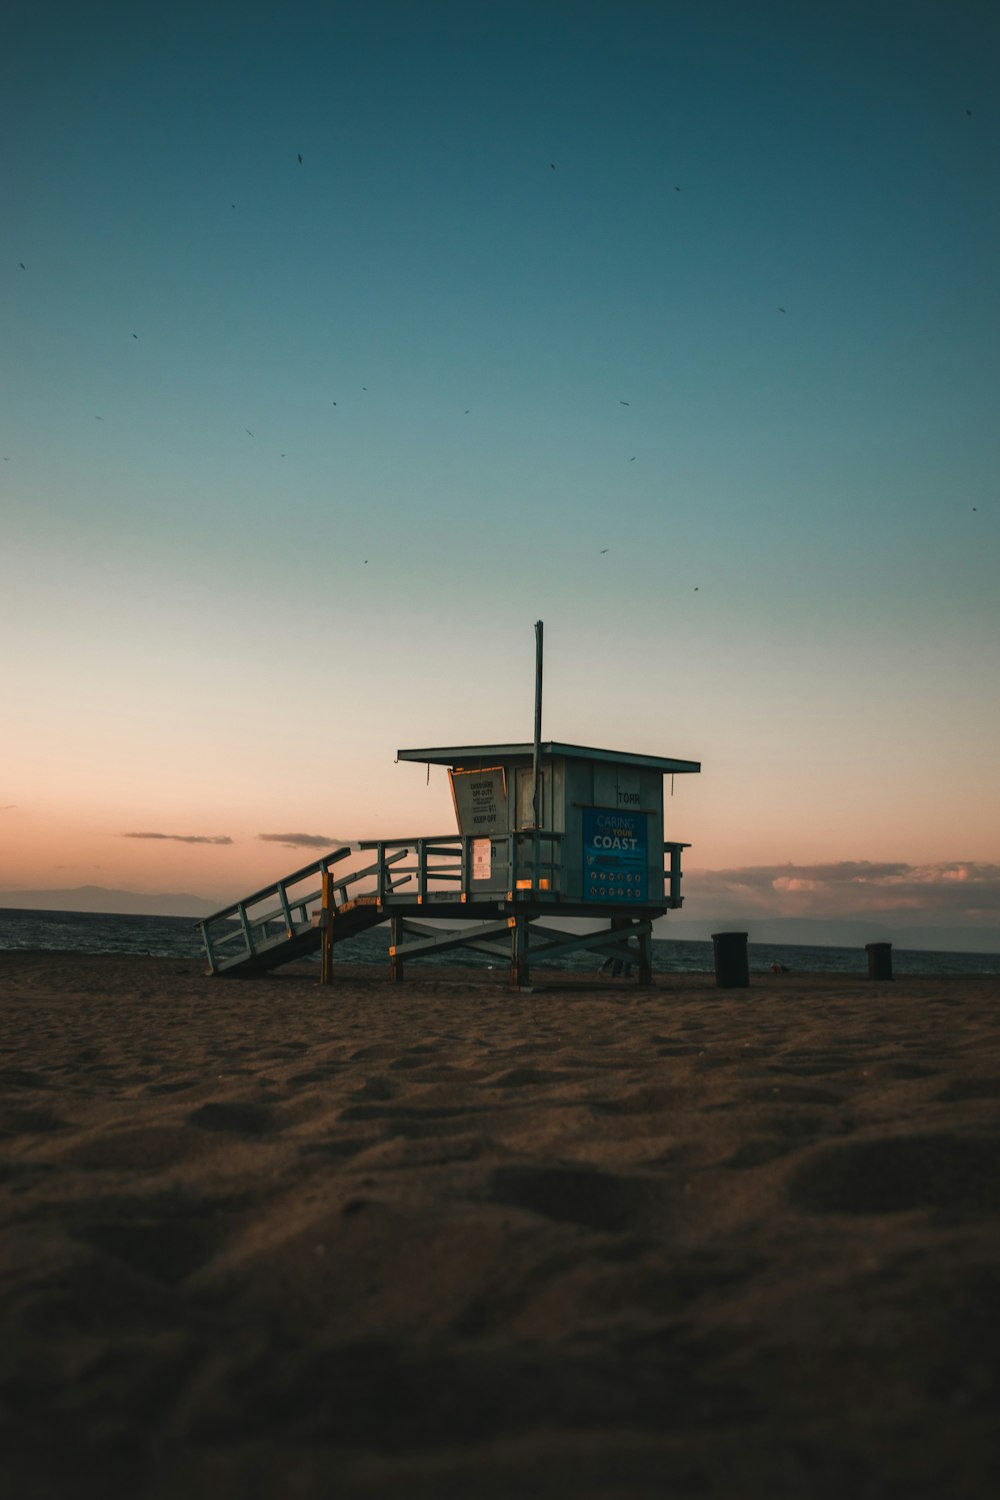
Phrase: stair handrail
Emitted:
{"points": [[321, 864]]}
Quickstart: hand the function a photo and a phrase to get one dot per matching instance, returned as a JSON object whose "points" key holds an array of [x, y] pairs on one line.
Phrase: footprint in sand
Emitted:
{"points": [[814, 1065], [321, 1074], [899, 1173], [244, 1118], [164, 1238], [148, 1148], [519, 1078], [793, 1093], [651, 1099], [584, 1196], [377, 1087], [167, 1251], [759, 1153], [970, 1088], [906, 1071], [14, 1122], [23, 1078]]}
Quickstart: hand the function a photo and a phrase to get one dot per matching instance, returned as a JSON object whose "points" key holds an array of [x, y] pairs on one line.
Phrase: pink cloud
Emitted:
{"points": [[183, 838], [302, 840], [957, 888]]}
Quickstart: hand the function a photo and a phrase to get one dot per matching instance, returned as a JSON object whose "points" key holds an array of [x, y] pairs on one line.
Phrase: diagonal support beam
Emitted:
{"points": [[475, 940], [601, 940], [448, 937]]}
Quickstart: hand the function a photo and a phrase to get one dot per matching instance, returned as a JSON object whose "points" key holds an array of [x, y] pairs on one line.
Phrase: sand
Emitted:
{"points": [[442, 1238]]}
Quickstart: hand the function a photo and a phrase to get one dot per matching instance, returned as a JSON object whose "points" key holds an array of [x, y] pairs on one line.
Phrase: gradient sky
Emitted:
{"points": [[295, 454]]}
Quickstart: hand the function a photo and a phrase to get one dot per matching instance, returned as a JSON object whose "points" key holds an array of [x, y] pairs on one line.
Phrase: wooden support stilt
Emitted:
{"points": [[395, 957], [645, 940], [326, 972], [519, 963]]}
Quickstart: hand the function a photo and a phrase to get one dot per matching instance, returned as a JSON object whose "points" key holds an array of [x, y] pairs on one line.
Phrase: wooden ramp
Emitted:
{"points": [[280, 923]]}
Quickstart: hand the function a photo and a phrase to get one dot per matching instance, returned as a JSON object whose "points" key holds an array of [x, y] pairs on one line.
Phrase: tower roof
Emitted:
{"points": [[485, 755]]}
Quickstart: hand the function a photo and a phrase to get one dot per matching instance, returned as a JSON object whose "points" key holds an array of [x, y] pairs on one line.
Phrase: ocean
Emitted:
{"points": [[177, 937]]}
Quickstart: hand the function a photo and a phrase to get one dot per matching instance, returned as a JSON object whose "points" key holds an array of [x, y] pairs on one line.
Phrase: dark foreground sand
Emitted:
{"points": [[441, 1239]]}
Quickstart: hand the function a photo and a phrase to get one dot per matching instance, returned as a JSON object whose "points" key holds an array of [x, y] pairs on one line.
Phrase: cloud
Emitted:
{"points": [[184, 838], [302, 840], [854, 887], [841, 873]]}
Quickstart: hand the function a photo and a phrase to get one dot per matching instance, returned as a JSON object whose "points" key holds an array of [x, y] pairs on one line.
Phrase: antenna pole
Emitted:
{"points": [[536, 786]]}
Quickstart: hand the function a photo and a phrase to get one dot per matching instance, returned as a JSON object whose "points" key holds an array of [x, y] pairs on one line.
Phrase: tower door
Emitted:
{"points": [[525, 796]]}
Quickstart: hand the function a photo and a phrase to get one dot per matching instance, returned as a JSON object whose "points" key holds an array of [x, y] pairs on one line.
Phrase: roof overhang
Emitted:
{"points": [[478, 756]]}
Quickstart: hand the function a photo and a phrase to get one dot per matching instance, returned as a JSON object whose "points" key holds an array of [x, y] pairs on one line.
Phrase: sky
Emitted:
{"points": [[342, 342]]}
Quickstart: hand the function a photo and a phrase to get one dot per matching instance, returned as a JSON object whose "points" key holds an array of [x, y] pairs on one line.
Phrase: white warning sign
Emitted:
{"points": [[482, 859], [480, 800]]}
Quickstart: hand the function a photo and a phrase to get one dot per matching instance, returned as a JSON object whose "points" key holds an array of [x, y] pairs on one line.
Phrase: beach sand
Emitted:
{"points": [[262, 1238]]}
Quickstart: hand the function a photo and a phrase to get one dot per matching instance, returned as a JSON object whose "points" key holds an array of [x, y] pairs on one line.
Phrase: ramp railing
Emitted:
{"points": [[273, 915], [672, 873], [457, 867]]}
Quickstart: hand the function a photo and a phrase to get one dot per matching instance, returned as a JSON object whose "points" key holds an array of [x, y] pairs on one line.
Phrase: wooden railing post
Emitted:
{"points": [[206, 939], [247, 931], [286, 909]]}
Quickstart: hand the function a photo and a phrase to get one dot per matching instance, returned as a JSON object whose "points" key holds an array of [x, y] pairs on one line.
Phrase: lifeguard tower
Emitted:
{"points": [[545, 830]]}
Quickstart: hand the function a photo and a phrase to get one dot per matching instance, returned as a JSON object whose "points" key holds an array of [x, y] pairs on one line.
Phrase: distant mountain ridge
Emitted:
{"points": [[98, 898]]}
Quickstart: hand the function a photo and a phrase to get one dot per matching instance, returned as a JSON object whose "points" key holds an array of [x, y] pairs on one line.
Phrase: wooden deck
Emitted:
{"points": [[405, 880]]}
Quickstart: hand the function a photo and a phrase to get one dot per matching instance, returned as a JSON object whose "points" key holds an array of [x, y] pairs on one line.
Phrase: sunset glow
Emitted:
{"points": [[682, 337]]}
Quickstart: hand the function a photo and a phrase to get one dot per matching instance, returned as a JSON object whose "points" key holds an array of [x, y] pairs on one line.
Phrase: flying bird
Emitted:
{"points": [[300, 158], [631, 460], [605, 549], [624, 403], [135, 335], [781, 309], [22, 265], [552, 165], [248, 432]]}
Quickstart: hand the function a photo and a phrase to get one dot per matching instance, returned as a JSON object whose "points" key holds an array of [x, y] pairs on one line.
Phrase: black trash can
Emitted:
{"points": [[732, 971], [879, 960]]}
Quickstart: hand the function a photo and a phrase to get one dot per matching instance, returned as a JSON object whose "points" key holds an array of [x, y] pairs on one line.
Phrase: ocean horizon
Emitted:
{"points": [[178, 937]]}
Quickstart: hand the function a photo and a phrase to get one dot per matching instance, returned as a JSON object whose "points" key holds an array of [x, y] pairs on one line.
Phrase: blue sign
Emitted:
{"points": [[615, 856]]}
